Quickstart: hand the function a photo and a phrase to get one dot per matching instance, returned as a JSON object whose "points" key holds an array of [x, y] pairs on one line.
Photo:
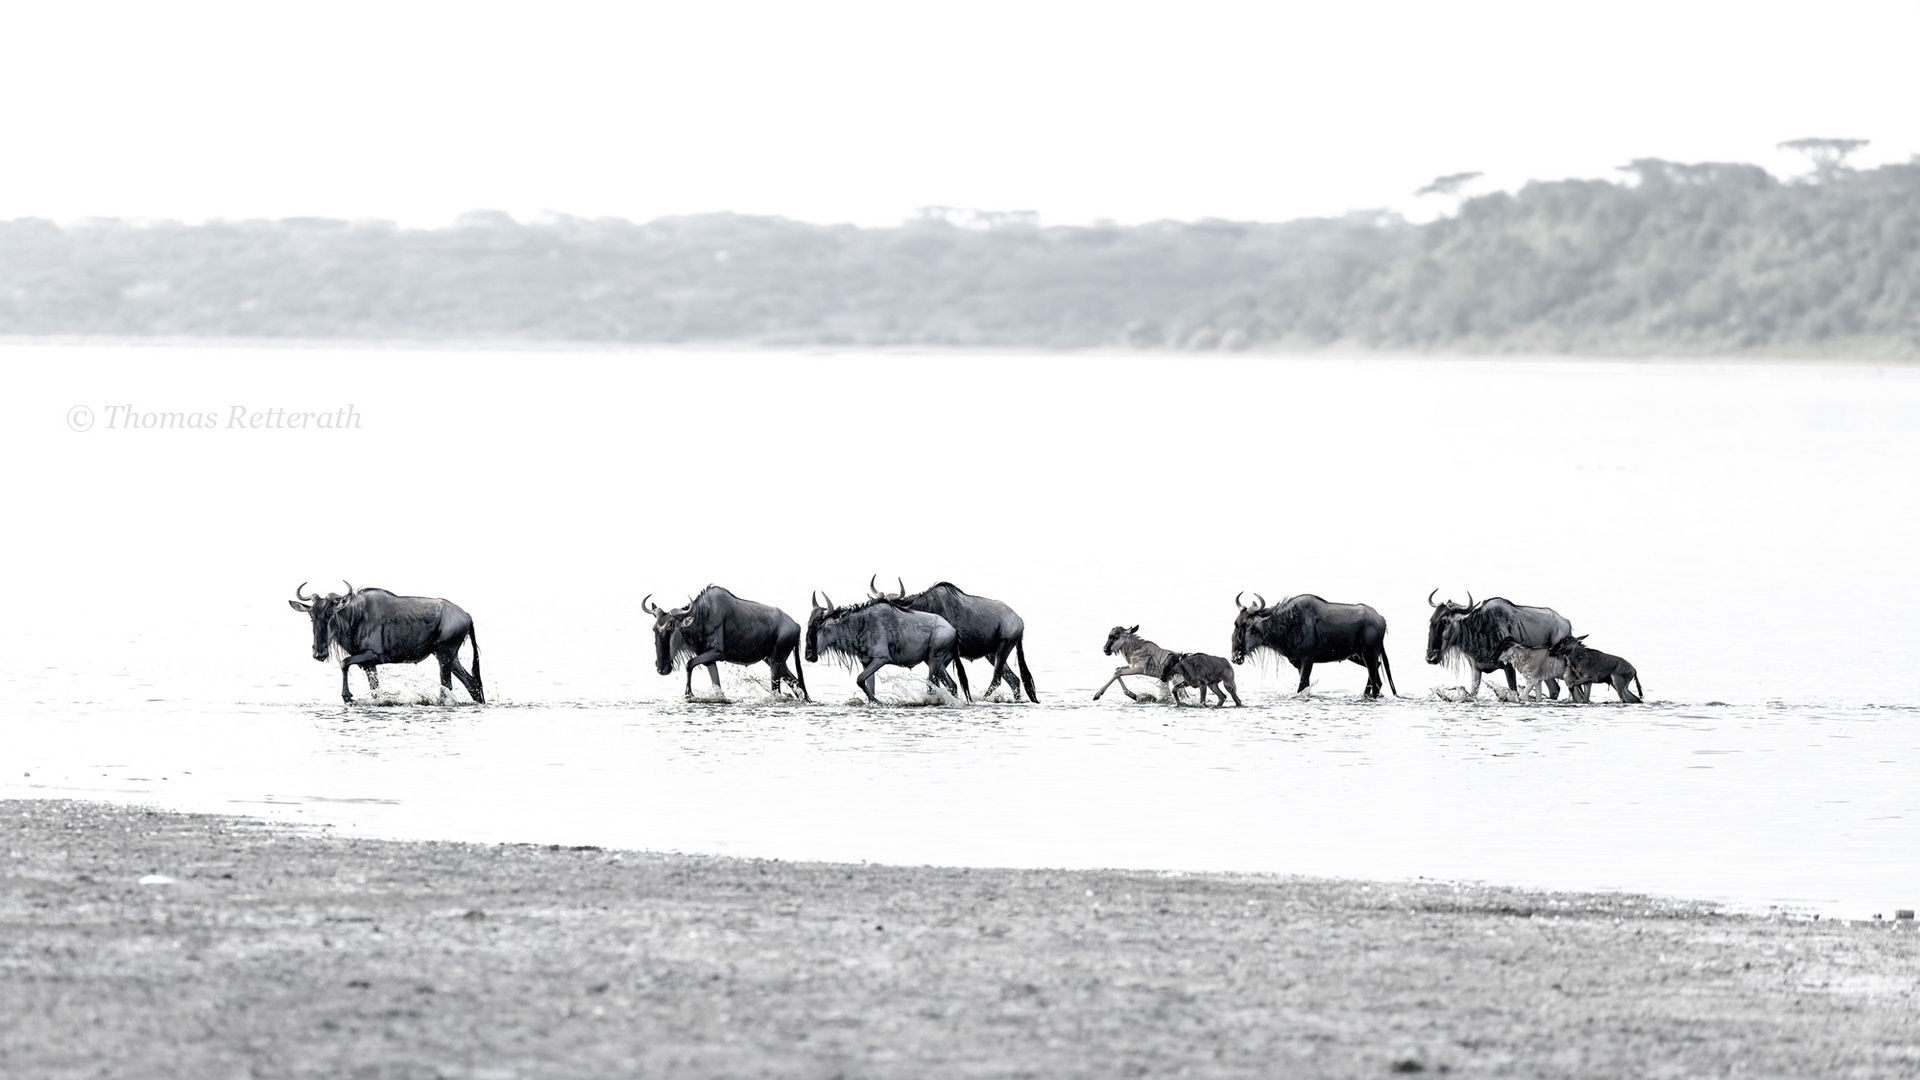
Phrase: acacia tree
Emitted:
{"points": [[1829, 156]]}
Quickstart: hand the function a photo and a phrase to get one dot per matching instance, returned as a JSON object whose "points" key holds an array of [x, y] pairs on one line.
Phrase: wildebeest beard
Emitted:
{"points": [[1467, 640], [1260, 628]]}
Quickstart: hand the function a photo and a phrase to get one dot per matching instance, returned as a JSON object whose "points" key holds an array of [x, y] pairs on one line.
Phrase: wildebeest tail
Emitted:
{"points": [[1637, 686], [799, 671], [473, 637], [1388, 668], [1026, 677]]}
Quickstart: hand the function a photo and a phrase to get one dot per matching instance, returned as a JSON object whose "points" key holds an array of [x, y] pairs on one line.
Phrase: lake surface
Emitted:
{"points": [[1743, 532]]}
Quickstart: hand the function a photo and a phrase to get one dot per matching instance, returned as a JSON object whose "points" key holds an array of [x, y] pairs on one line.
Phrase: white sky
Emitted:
{"points": [[843, 111]]}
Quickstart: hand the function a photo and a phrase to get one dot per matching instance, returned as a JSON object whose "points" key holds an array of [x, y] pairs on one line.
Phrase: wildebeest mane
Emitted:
{"points": [[1479, 636], [846, 652]]}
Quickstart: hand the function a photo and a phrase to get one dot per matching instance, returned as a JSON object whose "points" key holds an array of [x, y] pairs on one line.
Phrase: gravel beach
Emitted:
{"points": [[147, 944]]}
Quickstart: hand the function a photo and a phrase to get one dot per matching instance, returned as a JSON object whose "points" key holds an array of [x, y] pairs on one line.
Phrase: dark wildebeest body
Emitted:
{"points": [[1203, 671], [716, 626], [1588, 666], [1143, 658], [881, 632], [988, 629], [1307, 630], [1476, 634], [373, 626]]}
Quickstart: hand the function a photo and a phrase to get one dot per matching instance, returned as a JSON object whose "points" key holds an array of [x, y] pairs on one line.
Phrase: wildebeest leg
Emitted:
{"points": [[1026, 677], [1473, 681], [1513, 681], [450, 664], [1131, 669], [713, 672], [1553, 687], [937, 674], [865, 679], [1000, 673], [1231, 689], [373, 679], [1620, 684], [366, 660], [1306, 672], [1373, 677]]}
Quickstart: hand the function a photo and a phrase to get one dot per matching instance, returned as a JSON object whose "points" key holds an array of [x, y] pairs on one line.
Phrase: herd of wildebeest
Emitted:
{"points": [[942, 626]]}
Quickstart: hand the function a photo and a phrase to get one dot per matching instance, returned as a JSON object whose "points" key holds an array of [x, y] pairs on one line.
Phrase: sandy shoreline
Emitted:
{"points": [[270, 953]]}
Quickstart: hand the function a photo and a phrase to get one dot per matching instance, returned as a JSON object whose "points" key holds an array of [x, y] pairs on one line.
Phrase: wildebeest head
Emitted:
{"points": [[667, 624], [1118, 632], [1249, 626], [1567, 646], [815, 620], [1446, 615], [320, 609]]}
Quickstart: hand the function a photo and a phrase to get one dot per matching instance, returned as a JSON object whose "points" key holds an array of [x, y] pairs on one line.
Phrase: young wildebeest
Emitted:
{"points": [[989, 630], [1588, 666], [716, 626], [878, 633], [1143, 658], [1203, 671], [1308, 630], [1535, 666], [373, 626]]}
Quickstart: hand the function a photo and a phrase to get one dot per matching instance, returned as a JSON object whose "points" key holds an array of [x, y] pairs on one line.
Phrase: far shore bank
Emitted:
{"points": [[143, 943]]}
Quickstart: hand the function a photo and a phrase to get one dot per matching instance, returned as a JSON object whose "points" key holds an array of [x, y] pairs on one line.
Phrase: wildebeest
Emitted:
{"points": [[1143, 658], [989, 630], [1588, 666], [881, 632], [1307, 630], [373, 626], [1534, 666], [1203, 671], [716, 626], [1471, 634]]}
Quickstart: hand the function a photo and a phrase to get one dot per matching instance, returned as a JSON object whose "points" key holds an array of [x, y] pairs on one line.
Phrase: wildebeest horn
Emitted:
{"points": [[815, 598], [300, 593], [348, 584], [1260, 600], [873, 586], [647, 605], [902, 582], [1236, 599], [827, 598], [1470, 604], [1430, 597]]}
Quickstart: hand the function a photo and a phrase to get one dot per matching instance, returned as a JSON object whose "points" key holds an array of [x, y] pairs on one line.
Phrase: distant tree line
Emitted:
{"points": [[1673, 258]]}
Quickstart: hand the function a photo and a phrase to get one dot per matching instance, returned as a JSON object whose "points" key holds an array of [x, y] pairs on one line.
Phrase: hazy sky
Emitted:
{"points": [[842, 111]]}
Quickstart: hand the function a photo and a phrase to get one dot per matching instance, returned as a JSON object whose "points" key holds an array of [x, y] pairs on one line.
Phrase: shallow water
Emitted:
{"points": [[1742, 532]]}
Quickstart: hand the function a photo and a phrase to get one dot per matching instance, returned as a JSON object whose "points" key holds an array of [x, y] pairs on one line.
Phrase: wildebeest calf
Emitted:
{"points": [[1588, 666], [1536, 666], [1203, 671]]}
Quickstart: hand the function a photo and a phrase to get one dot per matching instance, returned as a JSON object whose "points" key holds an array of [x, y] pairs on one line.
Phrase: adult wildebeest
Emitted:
{"points": [[988, 629], [716, 626], [373, 626], [1588, 666], [1471, 634], [1203, 671], [1307, 630], [1143, 658], [881, 632], [1535, 666]]}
